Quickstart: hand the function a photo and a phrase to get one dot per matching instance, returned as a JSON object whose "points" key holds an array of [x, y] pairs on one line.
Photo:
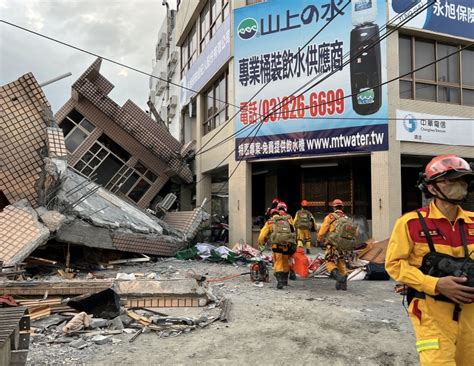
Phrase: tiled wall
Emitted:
{"points": [[19, 234], [23, 136]]}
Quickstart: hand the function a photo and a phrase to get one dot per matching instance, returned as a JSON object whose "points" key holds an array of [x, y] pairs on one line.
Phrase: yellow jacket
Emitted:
{"points": [[407, 245], [295, 220], [328, 224]]}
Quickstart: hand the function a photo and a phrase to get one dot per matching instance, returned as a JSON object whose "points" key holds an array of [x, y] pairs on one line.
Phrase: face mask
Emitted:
{"points": [[456, 191]]}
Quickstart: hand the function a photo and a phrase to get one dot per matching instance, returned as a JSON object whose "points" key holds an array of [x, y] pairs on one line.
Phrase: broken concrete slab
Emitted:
{"points": [[53, 220], [100, 339], [98, 323], [115, 324], [79, 344], [20, 232], [149, 293]]}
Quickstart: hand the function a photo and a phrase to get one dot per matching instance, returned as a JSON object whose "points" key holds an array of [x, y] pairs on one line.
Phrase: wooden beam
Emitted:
{"points": [[38, 288]]}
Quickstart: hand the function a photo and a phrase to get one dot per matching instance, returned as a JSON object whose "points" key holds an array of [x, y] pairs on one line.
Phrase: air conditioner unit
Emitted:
{"points": [[166, 202], [173, 58], [161, 46], [161, 82], [173, 101]]}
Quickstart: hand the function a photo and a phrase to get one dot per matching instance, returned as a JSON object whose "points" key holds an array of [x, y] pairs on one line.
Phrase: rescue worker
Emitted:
{"points": [[304, 222], [444, 325], [283, 208], [335, 260], [281, 246], [274, 205]]}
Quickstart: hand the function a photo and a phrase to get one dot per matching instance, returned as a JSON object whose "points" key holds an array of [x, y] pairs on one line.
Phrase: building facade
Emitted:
{"points": [[164, 85], [119, 147], [351, 113]]}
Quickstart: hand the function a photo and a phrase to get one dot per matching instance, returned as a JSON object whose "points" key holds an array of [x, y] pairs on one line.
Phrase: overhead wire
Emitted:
{"points": [[339, 11], [259, 124]]}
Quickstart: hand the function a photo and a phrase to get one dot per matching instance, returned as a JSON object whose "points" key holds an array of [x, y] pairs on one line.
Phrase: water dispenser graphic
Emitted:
{"points": [[365, 58]]}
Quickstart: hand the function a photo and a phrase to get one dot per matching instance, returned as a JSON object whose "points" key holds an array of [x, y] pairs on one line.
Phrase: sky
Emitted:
{"points": [[125, 31]]}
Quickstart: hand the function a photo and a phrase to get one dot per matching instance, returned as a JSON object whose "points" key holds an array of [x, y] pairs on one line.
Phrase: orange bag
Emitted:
{"points": [[300, 263]]}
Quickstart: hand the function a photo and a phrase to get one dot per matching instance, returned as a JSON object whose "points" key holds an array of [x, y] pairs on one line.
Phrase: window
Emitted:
{"points": [[450, 80], [133, 182], [211, 17], [75, 129], [188, 51], [107, 166], [216, 104]]}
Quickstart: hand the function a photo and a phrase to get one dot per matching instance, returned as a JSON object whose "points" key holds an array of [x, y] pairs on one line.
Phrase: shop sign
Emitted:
{"points": [[212, 58], [453, 17], [346, 112], [434, 129]]}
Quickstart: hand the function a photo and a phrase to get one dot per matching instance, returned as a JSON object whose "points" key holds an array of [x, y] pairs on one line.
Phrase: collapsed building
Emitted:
{"points": [[89, 180]]}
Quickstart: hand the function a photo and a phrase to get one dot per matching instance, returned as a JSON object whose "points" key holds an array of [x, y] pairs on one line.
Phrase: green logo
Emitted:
{"points": [[247, 28], [366, 96]]}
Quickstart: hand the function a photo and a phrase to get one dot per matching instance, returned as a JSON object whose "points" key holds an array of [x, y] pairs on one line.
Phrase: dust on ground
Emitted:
{"points": [[307, 323]]}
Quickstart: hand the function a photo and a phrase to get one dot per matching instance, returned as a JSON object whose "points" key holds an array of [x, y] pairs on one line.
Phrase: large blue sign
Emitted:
{"points": [[299, 98], [453, 17], [212, 58]]}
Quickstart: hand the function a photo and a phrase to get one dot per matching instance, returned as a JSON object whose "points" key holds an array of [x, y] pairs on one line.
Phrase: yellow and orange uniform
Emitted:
{"points": [[441, 339]]}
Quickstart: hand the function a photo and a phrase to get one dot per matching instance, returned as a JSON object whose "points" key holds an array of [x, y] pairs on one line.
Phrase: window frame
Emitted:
{"points": [[411, 78], [77, 126], [209, 123]]}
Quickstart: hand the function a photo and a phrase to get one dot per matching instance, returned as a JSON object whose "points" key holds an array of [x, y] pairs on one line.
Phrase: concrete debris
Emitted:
{"points": [[98, 323], [79, 344], [115, 324], [100, 339]]}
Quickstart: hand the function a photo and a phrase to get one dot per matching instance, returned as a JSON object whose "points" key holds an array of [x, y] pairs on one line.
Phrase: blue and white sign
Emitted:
{"points": [[434, 129], [212, 58], [453, 17], [345, 111]]}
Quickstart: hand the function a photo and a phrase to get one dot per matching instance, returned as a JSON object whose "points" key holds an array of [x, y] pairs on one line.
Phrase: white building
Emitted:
{"points": [[164, 92]]}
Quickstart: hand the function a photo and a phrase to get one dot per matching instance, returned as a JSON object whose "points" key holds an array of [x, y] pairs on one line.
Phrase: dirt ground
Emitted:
{"points": [[308, 323]]}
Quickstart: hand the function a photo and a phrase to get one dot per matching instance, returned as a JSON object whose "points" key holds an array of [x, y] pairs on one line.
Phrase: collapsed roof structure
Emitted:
{"points": [[44, 196]]}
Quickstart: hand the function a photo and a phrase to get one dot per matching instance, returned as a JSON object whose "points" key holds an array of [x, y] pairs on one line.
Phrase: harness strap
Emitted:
{"points": [[429, 240]]}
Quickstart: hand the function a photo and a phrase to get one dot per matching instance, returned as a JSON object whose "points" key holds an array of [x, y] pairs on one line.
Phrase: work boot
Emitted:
{"points": [[284, 278], [341, 280], [308, 251], [292, 276], [279, 277], [344, 284]]}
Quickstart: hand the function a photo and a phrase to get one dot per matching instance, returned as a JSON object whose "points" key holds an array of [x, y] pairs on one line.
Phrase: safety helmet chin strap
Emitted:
{"points": [[444, 198]]}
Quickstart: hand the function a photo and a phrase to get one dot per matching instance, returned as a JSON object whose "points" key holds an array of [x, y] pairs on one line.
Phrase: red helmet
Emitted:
{"points": [[447, 166], [304, 203], [276, 200], [274, 211], [337, 202], [282, 206]]}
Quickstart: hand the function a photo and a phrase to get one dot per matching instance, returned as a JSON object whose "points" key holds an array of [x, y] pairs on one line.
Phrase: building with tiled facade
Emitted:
{"points": [[376, 184], [119, 147]]}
